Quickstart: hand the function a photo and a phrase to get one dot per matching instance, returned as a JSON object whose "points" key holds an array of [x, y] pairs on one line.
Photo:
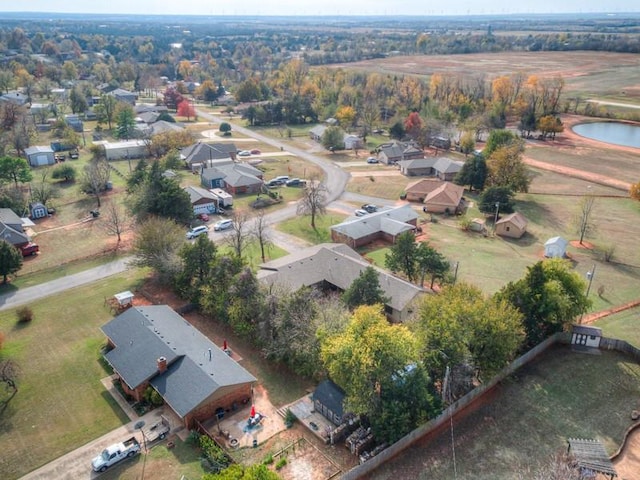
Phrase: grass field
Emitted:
{"points": [[61, 403], [561, 395], [623, 325], [300, 226]]}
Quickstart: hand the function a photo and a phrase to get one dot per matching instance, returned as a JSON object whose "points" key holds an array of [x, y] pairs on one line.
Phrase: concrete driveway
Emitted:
{"points": [[76, 465]]}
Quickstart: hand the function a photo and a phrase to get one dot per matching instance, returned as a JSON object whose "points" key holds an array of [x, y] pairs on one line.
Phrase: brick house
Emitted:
{"points": [[153, 346], [334, 266], [384, 225]]}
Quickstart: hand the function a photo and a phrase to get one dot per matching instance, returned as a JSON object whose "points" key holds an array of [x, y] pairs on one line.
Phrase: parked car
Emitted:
{"points": [[74, 155], [115, 453], [274, 183], [282, 178], [225, 224], [30, 248], [197, 231], [294, 182], [59, 157], [204, 217], [370, 208], [255, 151], [372, 160], [361, 213], [244, 153]]}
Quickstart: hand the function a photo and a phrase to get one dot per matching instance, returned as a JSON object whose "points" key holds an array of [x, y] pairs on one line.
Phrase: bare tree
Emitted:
{"points": [[583, 221], [314, 200], [116, 221], [261, 232], [96, 176], [44, 191], [240, 234]]}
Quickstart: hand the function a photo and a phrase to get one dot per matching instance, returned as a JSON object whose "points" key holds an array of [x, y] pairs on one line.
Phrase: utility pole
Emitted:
{"points": [[495, 220]]}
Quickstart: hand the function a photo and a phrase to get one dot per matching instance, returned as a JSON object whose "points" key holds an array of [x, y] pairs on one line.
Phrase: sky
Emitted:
{"points": [[320, 7]]}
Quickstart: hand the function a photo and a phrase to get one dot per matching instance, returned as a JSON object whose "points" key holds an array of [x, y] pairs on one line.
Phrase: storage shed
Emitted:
{"points": [[586, 336], [555, 247], [327, 400], [40, 155]]}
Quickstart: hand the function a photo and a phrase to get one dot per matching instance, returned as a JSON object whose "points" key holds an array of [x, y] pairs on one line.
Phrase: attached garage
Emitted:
{"points": [[39, 156]]}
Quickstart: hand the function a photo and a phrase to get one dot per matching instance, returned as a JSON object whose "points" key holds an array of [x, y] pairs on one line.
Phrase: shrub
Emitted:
{"points": [[25, 315], [268, 460], [153, 397], [289, 418], [281, 463], [193, 439], [465, 224]]}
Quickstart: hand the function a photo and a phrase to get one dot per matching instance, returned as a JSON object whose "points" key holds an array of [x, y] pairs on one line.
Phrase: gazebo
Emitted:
{"points": [[591, 457]]}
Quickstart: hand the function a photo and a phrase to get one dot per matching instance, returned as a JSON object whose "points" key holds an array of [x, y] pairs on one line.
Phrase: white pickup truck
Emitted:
{"points": [[114, 453]]}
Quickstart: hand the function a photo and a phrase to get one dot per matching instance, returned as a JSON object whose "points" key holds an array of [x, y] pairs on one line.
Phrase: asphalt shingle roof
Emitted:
{"points": [[360, 227], [197, 368], [337, 264]]}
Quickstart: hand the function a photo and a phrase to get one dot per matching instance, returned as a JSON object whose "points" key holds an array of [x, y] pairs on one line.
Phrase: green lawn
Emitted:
{"points": [[622, 325], [561, 395], [300, 226], [181, 461], [61, 403], [253, 255]]}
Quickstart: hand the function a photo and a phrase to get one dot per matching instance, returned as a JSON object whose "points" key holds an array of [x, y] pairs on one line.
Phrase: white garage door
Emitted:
{"points": [[207, 208], [42, 160]]}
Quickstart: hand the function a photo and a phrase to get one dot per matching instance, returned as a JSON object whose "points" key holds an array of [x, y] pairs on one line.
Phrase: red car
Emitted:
{"points": [[204, 217], [30, 248]]}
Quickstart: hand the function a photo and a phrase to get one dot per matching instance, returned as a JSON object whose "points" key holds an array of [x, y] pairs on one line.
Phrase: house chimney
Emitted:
{"points": [[162, 364]]}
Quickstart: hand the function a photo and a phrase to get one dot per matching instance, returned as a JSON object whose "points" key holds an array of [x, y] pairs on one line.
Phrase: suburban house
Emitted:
{"points": [[153, 346], [202, 200], [196, 156], [40, 155], [234, 178], [161, 126], [11, 228], [334, 266], [381, 225], [447, 198], [147, 117], [417, 167], [446, 169], [350, 141], [123, 95], [399, 151], [147, 107], [513, 225], [418, 191], [328, 401], [16, 98], [555, 247], [126, 149]]}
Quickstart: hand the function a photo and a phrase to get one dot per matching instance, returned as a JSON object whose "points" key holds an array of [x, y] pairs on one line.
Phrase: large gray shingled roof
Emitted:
{"points": [[337, 264], [197, 367]]}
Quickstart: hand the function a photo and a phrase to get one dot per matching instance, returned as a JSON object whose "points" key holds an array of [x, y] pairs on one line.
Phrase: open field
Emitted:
{"points": [[61, 403], [623, 325], [588, 73], [300, 226], [529, 417]]}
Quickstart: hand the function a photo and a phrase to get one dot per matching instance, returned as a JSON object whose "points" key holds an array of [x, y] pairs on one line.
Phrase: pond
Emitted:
{"points": [[611, 132]]}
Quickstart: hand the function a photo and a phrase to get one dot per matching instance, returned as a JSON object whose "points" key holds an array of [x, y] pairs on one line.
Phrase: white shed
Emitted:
{"points": [[555, 247], [126, 149]]}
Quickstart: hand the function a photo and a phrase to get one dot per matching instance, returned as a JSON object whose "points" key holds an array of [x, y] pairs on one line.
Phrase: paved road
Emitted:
{"points": [[26, 295]]}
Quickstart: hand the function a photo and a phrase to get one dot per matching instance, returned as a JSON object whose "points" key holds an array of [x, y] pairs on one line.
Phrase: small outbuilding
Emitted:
{"points": [[39, 155], [38, 210], [327, 401], [586, 336], [513, 225], [555, 247]]}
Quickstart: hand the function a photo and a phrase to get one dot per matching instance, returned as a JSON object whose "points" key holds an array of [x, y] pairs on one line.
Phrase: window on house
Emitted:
{"points": [[507, 229]]}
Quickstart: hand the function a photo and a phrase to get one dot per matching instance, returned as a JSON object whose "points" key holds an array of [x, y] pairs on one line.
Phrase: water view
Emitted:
{"points": [[611, 132]]}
